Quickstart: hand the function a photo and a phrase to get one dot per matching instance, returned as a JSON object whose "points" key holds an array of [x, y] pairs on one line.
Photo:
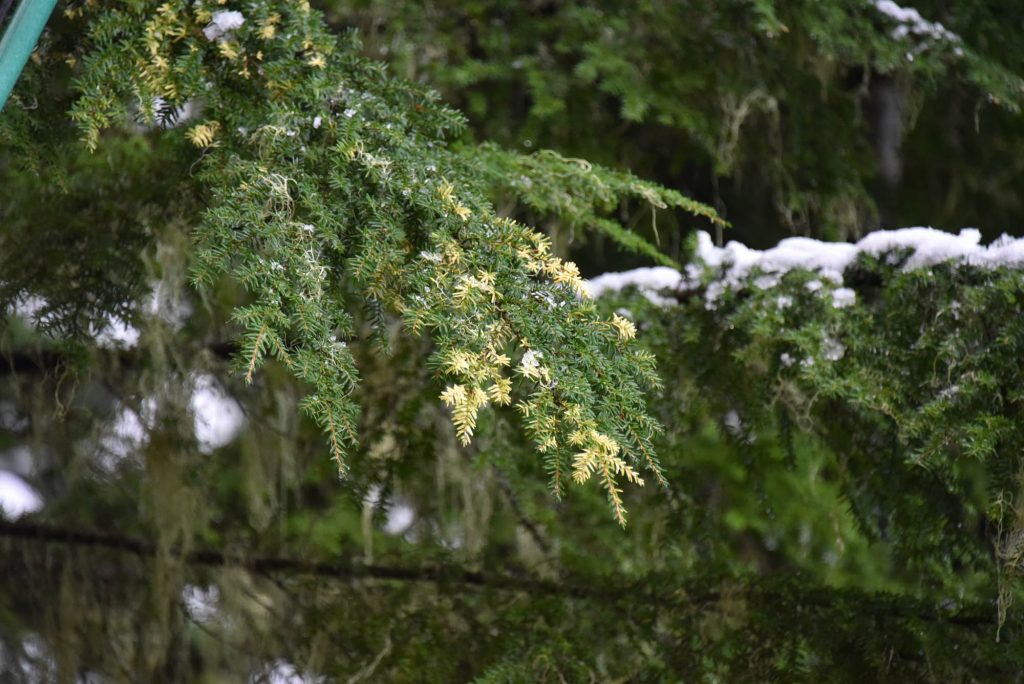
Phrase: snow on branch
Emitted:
{"points": [[910, 22], [223, 22], [737, 265]]}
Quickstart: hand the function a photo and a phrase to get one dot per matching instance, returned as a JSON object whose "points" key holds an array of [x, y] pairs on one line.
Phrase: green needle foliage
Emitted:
{"points": [[909, 377], [331, 186], [775, 112]]}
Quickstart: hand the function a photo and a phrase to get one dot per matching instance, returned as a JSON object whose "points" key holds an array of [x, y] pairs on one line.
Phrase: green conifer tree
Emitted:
{"points": [[429, 432]]}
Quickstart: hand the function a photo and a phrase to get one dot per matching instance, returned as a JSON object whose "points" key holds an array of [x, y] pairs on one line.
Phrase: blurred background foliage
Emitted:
{"points": [[798, 539], [811, 118]]}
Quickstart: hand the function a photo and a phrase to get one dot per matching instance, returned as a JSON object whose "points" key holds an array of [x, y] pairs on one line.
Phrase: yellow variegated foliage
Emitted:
{"points": [[624, 327], [465, 404], [204, 134]]}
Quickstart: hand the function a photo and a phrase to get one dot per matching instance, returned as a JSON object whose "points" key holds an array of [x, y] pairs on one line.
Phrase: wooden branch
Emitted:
{"points": [[341, 568], [966, 615], [25, 362]]}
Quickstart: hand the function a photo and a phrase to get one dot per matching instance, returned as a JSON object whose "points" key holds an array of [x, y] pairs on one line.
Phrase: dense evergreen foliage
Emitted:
{"points": [[448, 461], [822, 118]]}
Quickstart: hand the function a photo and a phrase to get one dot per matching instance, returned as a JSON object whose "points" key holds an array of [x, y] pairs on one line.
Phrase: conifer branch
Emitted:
{"points": [[693, 592], [255, 353], [652, 462], [336, 451]]}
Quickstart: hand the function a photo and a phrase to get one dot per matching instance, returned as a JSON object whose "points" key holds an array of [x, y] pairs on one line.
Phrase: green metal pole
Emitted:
{"points": [[19, 40]]}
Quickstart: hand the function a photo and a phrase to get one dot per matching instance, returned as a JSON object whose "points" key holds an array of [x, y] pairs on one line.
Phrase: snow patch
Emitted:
{"points": [[216, 421], [17, 497], [125, 436], [910, 22], [283, 672], [843, 297], [737, 265], [217, 416], [833, 349], [650, 281], [201, 603], [28, 306], [531, 360], [926, 246], [117, 334], [400, 515], [33, 661], [829, 259], [400, 519], [223, 22]]}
